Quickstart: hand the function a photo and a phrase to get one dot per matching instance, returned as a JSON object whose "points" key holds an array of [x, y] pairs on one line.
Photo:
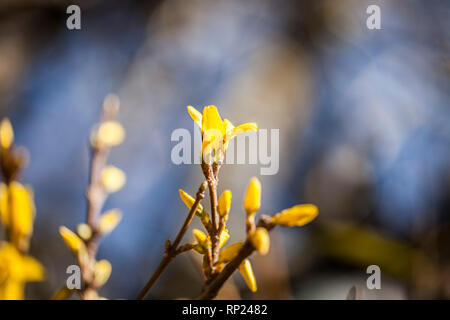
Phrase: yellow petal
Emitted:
{"points": [[211, 120], [229, 253], [224, 203], [298, 215], [32, 270], [224, 236], [102, 272], [109, 221], [6, 134], [245, 268], [195, 115], [246, 127], [252, 200], [12, 290], [72, 241], [21, 210], [260, 240], [84, 231], [108, 133], [113, 179], [228, 125]]}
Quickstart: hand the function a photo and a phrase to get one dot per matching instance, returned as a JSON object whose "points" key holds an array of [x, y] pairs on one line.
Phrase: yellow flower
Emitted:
{"points": [[17, 211], [203, 242], [298, 215], [224, 204], [15, 270], [107, 134], [102, 272], [260, 240], [252, 200], [109, 221], [229, 253], [216, 133], [245, 268], [6, 134], [113, 179], [72, 241]]}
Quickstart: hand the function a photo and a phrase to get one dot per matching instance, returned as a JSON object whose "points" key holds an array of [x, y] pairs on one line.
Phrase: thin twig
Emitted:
{"points": [[171, 250]]}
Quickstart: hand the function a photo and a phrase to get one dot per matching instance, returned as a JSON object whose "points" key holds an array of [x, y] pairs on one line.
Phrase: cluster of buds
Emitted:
{"points": [[17, 213], [104, 180]]}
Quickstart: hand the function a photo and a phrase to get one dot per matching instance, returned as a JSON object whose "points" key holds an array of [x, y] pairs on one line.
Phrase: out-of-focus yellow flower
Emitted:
{"points": [[113, 179], [189, 202], [216, 133], [107, 134], [252, 200], [298, 215], [6, 134], [260, 240], [229, 253], [224, 204], [72, 241], [17, 211], [15, 270], [84, 231], [102, 272], [245, 268], [109, 221]]}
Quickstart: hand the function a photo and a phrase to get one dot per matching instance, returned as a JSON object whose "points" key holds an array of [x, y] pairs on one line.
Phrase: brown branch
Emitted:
{"points": [[212, 288], [171, 249]]}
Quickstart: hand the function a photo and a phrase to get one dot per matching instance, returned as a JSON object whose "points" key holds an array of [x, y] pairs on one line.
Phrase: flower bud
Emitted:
{"points": [[113, 179], [298, 215], [224, 204], [6, 133], [72, 241], [229, 253], [252, 200], [102, 272], [109, 221], [260, 240], [245, 268]]}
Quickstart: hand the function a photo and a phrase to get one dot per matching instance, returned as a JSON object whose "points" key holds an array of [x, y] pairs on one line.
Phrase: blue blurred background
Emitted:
{"points": [[364, 127]]}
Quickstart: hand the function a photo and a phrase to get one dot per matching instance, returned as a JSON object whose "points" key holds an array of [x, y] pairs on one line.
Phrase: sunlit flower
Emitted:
{"points": [[230, 252], [189, 202], [252, 200], [298, 215], [15, 270], [216, 133]]}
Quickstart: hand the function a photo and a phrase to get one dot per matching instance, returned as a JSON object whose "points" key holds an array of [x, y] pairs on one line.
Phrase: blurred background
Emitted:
{"points": [[364, 125]]}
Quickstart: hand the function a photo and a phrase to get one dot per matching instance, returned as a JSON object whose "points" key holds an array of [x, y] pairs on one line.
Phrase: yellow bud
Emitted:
{"points": [[62, 294], [84, 231], [224, 236], [252, 200], [200, 236], [229, 253], [6, 133], [72, 241], [245, 268], [298, 215], [189, 202], [112, 178], [260, 240], [224, 203], [102, 271], [109, 221], [108, 134]]}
